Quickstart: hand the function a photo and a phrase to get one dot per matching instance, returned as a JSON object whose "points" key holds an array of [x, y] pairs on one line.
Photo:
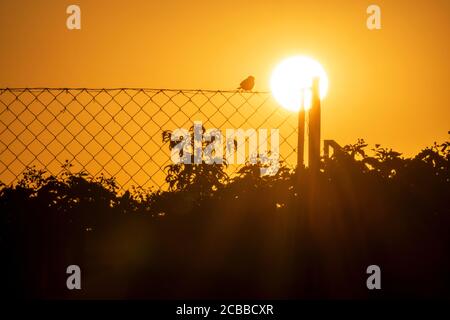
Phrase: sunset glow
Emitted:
{"points": [[292, 79]]}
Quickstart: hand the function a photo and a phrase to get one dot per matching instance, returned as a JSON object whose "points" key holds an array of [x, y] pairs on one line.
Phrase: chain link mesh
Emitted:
{"points": [[118, 132]]}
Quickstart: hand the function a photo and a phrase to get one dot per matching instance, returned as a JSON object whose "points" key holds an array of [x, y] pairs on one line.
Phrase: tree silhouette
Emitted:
{"points": [[249, 236], [202, 178]]}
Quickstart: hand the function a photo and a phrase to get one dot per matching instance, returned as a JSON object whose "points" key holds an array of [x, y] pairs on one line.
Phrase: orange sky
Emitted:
{"points": [[388, 86]]}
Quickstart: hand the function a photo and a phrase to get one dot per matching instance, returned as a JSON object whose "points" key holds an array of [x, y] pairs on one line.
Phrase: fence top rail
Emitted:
{"points": [[130, 89]]}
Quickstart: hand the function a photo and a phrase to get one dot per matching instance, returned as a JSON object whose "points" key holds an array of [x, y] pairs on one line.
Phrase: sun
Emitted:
{"points": [[291, 82]]}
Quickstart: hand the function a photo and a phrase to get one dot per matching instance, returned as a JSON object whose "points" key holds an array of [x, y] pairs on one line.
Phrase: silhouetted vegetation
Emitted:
{"points": [[212, 236]]}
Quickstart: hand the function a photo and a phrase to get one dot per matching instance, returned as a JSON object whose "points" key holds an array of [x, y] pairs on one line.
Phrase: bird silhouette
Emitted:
{"points": [[247, 84]]}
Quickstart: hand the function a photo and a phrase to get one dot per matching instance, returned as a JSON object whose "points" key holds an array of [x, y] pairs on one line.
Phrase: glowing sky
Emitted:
{"points": [[388, 86]]}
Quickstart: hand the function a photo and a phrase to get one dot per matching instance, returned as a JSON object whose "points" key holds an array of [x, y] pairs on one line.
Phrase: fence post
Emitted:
{"points": [[301, 138], [314, 129]]}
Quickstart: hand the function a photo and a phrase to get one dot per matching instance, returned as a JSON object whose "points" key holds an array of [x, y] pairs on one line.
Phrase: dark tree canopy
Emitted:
{"points": [[211, 235]]}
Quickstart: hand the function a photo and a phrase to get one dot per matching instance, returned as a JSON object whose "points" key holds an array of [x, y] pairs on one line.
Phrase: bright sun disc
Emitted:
{"points": [[291, 82]]}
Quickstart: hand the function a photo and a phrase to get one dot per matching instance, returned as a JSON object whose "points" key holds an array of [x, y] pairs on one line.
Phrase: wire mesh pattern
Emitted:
{"points": [[118, 132]]}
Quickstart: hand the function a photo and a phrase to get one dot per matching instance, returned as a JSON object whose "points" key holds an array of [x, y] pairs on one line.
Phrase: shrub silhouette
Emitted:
{"points": [[212, 236]]}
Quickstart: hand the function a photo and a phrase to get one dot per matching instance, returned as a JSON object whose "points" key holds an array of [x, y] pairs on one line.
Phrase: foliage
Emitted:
{"points": [[247, 236]]}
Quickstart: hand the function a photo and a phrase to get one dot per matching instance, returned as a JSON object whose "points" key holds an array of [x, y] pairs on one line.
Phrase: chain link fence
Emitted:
{"points": [[118, 132]]}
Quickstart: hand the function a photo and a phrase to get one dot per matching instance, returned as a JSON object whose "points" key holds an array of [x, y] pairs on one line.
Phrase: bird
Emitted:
{"points": [[247, 84]]}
